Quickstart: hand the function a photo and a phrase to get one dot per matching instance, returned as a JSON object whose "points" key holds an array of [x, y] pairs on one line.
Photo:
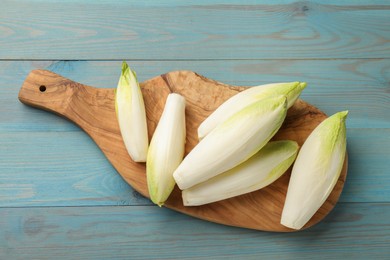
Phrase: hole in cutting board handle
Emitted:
{"points": [[42, 88]]}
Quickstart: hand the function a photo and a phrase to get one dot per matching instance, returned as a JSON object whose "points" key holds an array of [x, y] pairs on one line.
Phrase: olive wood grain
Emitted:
{"points": [[94, 111]]}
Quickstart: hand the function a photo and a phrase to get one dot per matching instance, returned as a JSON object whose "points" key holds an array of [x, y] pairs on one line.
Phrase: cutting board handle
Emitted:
{"points": [[77, 102], [47, 90]]}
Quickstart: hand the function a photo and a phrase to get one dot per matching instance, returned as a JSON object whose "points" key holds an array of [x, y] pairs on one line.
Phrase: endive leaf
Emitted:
{"points": [[166, 149], [291, 90], [259, 171], [316, 171], [130, 110], [232, 142]]}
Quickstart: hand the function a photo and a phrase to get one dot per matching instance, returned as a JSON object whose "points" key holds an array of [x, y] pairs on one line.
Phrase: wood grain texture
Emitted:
{"points": [[194, 30], [93, 110], [359, 85], [350, 231]]}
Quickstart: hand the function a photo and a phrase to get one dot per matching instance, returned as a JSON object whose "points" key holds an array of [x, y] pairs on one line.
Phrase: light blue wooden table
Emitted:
{"points": [[59, 196]]}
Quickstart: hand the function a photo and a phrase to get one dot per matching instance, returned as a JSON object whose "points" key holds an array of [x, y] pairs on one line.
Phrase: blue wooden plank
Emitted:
{"points": [[351, 231], [359, 85], [193, 30], [368, 178], [68, 169], [59, 169], [252, 3]]}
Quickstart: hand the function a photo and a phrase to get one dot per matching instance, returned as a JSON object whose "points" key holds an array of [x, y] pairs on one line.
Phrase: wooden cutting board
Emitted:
{"points": [[93, 110]]}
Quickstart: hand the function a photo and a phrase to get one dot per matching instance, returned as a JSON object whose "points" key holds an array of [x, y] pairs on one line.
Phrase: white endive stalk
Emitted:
{"points": [[166, 149], [259, 171], [291, 90], [316, 171], [232, 142], [130, 110]]}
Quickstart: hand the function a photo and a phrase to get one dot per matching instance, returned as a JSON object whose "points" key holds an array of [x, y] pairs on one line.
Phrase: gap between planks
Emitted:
{"points": [[211, 60], [153, 205]]}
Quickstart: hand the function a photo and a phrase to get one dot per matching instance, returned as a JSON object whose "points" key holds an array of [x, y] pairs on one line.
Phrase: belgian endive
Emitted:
{"points": [[130, 110], [291, 90], [166, 149], [315, 171], [259, 171], [232, 142]]}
